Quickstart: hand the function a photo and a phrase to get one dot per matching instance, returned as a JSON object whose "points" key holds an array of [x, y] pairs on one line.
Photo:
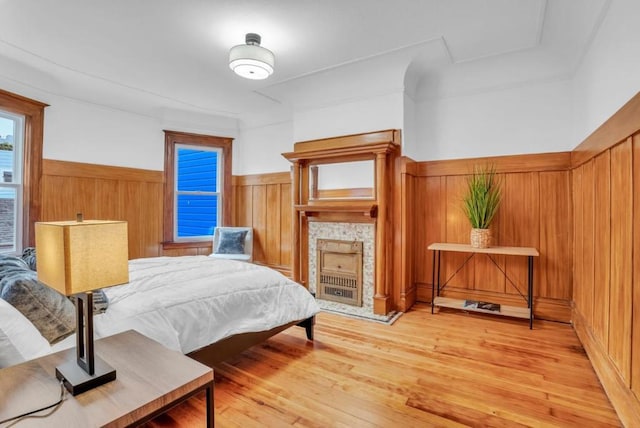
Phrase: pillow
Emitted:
{"points": [[230, 242], [49, 311], [29, 257], [19, 339], [100, 302], [10, 264]]}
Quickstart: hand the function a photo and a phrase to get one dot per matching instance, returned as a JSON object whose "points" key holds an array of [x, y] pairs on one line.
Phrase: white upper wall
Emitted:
{"points": [[610, 72], [535, 118], [352, 117], [258, 150], [82, 131]]}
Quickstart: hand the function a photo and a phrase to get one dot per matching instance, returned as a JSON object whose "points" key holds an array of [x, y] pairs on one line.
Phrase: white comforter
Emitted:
{"points": [[189, 302]]}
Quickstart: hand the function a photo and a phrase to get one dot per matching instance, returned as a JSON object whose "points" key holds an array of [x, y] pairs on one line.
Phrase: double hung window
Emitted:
{"points": [[197, 191]]}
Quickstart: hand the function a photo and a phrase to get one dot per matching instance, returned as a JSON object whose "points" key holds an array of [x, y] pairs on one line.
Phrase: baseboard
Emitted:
{"points": [[623, 399]]}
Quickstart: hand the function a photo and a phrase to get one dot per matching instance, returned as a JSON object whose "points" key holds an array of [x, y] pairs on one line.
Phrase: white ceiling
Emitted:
{"points": [[152, 55]]}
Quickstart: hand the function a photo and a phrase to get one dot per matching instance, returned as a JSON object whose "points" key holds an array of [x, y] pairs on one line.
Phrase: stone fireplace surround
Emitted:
{"points": [[363, 232]]}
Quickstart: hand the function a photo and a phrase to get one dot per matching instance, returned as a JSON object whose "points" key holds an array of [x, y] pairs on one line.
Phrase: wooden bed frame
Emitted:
{"points": [[226, 348]]}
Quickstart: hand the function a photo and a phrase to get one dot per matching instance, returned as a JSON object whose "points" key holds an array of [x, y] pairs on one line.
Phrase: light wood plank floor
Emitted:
{"points": [[447, 369]]}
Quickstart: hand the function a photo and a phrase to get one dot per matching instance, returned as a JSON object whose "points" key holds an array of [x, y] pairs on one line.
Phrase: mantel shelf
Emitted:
{"points": [[369, 210]]}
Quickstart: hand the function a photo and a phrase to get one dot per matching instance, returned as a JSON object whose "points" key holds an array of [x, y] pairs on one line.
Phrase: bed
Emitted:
{"points": [[207, 308]]}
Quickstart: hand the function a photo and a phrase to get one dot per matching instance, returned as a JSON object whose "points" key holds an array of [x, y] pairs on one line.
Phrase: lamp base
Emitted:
{"points": [[77, 381]]}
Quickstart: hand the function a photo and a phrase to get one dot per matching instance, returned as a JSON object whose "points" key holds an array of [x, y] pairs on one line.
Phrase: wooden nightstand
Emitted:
{"points": [[150, 380]]}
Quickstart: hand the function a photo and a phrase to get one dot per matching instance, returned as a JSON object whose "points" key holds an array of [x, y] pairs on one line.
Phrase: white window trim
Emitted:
{"points": [[17, 179]]}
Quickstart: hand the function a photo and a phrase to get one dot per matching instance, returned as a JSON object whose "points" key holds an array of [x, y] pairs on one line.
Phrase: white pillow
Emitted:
{"points": [[19, 339]]}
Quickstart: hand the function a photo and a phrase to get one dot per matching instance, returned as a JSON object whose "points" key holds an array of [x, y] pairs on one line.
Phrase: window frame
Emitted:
{"points": [[16, 182], [33, 112], [174, 139]]}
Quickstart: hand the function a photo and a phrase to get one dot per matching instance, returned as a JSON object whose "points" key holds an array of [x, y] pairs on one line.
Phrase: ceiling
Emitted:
{"points": [[149, 56]]}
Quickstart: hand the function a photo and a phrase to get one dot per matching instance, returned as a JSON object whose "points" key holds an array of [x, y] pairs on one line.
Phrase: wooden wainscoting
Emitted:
{"points": [[106, 192], [535, 212], [606, 286], [263, 201]]}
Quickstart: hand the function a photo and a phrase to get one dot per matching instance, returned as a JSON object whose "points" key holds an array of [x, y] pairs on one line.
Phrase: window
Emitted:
{"points": [[197, 185], [21, 128], [11, 143]]}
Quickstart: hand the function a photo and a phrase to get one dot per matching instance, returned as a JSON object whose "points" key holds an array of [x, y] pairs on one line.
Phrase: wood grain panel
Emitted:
{"points": [[151, 221], [114, 193], [405, 258], [520, 211], [272, 232], [602, 248], [560, 161], [108, 203], [285, 226], [259, 222], [621, 259], [457, 231], [258, 179], [555, 236], [243, 206], [635, 335], [624, 123], [105, 172], [430, 210], [578, 289], [588, 230], [264, 203], [626, 404]]}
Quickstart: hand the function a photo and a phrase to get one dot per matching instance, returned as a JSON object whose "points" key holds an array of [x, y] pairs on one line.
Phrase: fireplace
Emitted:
{"points": [[336, 209], [363, 233], [339, 271]]}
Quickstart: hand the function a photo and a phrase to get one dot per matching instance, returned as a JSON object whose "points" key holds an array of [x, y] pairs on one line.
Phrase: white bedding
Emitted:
{"points": [[189, 302]]}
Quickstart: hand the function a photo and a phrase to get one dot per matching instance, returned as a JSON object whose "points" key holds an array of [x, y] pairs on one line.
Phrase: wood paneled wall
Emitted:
{"points": [[264, 202], [107, 193], [535, 212], [606, 221]]}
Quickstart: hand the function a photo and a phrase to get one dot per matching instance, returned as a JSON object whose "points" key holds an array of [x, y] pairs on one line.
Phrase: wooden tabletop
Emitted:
{"points": [[149, 376], [465, 248]]}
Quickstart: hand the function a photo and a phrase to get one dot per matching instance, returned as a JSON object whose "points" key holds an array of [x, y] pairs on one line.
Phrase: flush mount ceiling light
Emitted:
{"points": [[251, 61]]}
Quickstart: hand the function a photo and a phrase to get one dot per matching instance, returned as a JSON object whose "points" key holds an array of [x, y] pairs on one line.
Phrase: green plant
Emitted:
{"points": [[6, 146], [483, 197]]}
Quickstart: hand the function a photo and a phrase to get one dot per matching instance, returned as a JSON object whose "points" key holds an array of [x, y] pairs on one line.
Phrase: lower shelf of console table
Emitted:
{"points": [[505, 310]]}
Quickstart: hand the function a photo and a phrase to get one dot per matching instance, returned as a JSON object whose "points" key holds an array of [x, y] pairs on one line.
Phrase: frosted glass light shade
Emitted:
{"points": [[76, 257], [251, 61]]}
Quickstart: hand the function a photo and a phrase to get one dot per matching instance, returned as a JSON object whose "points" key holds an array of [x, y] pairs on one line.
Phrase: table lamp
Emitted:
{"points": [[75, 258]]}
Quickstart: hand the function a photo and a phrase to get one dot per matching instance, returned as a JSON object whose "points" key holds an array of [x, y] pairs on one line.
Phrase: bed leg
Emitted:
{"points": [[308, 326]]}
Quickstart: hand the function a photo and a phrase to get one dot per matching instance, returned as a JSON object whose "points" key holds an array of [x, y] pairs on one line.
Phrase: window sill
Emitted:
{"points": [[173, 245]]}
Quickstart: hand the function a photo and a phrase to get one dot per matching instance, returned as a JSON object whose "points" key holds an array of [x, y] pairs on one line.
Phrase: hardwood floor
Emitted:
{"points": [[447, 369]]}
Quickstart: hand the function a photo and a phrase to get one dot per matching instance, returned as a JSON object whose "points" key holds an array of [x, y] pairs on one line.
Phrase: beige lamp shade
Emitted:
{"points": [[75, 257]]}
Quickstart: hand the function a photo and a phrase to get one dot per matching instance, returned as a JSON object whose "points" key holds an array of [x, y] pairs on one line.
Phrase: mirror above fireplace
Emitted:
{"points": [[342, 180]]}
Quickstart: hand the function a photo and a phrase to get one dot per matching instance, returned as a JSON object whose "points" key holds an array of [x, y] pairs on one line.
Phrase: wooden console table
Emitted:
{"points": [[505, 310]]}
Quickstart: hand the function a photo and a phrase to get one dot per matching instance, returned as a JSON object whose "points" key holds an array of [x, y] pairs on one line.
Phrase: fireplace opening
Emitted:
{"points": [[339, 271]]}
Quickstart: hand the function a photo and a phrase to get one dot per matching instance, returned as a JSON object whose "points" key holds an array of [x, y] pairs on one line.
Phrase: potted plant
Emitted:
{"points": [[481, 203]]}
